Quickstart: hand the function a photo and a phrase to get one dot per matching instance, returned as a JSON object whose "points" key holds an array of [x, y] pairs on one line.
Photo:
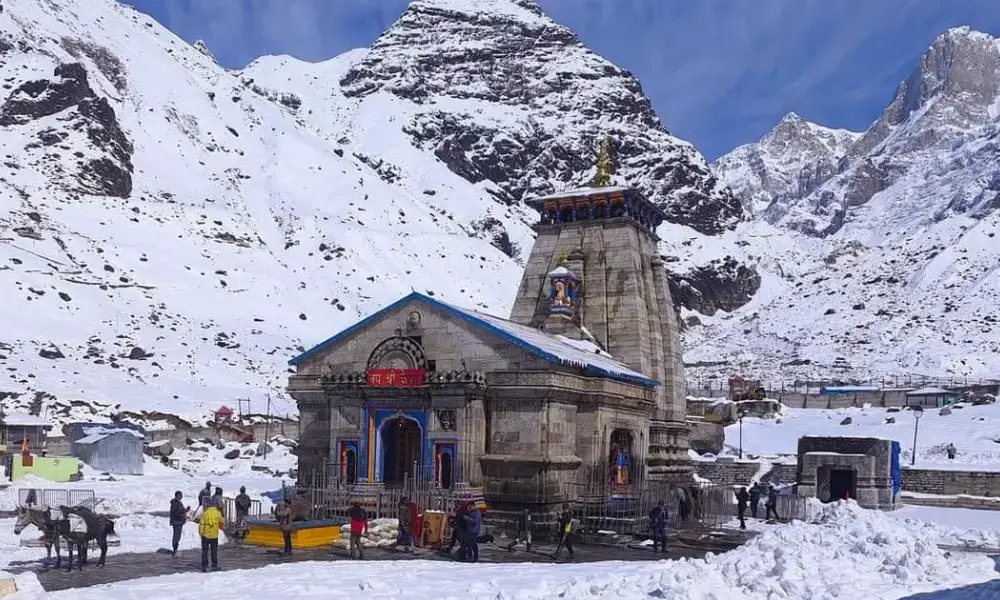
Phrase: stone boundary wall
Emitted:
{"points": [[921, 481], [801, 398]]}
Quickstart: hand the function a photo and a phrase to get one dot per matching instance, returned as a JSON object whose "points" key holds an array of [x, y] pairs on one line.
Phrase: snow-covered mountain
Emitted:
{"points": [[171, 232], [888, 263], [787, 164]]}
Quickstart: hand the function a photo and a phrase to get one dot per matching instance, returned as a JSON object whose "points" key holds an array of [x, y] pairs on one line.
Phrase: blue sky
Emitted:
{"points": [[719, 72]]}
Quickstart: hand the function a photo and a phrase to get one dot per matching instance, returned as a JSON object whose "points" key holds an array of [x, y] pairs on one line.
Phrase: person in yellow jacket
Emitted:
{"points": [[209, 527]]}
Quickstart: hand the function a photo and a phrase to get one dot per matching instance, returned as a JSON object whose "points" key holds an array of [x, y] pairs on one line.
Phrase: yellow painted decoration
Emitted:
{"points": [[304, 536]]}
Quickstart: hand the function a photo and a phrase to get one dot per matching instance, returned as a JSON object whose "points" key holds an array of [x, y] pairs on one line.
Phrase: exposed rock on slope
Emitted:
{"points": [[787, 164], [150, 203], [506, 95]]}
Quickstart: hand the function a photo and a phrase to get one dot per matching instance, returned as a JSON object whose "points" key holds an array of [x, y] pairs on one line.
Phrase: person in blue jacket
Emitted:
{"points": [[474, 524], [658, 523]]}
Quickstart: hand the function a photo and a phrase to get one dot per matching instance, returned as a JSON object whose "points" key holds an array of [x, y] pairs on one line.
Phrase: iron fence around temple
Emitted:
{"points": [[600, 511]]}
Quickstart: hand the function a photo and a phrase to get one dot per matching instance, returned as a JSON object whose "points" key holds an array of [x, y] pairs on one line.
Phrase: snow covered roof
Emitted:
{"points": [[89, 430], [584, 191], [930, 391], [550, 347], [24, 420], [92, 439]]}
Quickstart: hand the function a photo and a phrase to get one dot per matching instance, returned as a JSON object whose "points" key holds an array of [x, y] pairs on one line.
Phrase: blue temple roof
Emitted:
{"points": [[553, 348]]}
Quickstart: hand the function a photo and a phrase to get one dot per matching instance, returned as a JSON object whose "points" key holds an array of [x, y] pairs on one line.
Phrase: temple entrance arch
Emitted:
{"points": [[621, 457], [401, 441]]}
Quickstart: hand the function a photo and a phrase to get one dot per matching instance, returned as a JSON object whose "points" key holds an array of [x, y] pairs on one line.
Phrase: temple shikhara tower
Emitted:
{"points": [[579, 394]]}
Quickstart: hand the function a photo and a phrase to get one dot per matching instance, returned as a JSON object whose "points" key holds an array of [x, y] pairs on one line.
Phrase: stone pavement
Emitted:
{"points": [[123, 567]]}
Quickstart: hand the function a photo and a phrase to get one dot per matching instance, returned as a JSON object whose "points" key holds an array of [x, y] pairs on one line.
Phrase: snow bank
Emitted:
{"points": [[844, 552]]}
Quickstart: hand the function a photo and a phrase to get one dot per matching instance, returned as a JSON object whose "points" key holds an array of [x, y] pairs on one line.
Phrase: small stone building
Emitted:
{"points": [[583, 383], [864, 469]]}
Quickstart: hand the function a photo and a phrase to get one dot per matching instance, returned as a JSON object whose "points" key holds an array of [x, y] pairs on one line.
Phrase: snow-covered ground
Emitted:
{"points": [[845, 552], [974, 430]]}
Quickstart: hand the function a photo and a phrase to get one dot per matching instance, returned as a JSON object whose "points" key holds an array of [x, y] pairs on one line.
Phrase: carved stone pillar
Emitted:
{"points": [[668, 446]]}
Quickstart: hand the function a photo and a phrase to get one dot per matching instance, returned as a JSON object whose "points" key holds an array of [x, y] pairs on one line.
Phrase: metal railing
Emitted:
{"points": [[54, 498]]}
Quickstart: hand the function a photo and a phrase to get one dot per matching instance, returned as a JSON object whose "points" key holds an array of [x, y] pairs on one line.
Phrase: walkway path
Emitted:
{"points": [[122, 567]]}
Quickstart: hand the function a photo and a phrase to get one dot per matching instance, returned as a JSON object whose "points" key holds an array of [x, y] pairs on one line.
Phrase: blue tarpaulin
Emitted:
{"points": [[896, 472]]}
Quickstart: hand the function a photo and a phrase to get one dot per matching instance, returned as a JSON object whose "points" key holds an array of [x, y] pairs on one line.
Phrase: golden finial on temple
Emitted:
{"points": [[603, 176]]}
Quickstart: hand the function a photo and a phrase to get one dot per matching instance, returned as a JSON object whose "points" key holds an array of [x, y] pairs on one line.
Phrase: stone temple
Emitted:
{"points": [[582, 386]]}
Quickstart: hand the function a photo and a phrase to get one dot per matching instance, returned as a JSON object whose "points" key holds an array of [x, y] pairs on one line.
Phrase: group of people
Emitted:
{"points": [[752, 498], [466, 525], [211, 520]]}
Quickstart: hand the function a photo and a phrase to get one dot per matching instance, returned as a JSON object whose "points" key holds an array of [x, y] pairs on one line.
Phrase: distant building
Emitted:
{"points": [[115, 448], [16, 427]]}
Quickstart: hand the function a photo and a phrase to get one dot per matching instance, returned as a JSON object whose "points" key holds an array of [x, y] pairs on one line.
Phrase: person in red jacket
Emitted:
{"points": [[359, 527]]}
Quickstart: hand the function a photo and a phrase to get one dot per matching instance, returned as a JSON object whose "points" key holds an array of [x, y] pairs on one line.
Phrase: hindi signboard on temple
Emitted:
{"points": [[395, 377]]}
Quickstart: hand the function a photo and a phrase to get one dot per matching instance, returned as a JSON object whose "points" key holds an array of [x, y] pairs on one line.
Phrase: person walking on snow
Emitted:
{"points": [[565, 532], [205, 495], [405, 522], [474, 524], [741, 506], [243, 504], [772, 503], [658, 523], [458, 523], [523, 531], [359, 526], [283, 514], [178, 517], [208, 529], [754, 499]]}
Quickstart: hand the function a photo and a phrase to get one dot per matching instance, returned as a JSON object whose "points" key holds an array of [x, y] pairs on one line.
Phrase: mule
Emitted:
{"points": [[43, 521], [97, 528]]}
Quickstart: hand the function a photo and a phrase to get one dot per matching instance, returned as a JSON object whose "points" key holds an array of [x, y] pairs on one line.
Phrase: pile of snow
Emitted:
{"points": [[972, 429], [381, 534], [846, 552]]}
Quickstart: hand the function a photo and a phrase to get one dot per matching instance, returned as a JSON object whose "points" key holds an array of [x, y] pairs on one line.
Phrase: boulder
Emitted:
{"points": [[890, 420], [161, 448], [233, 454], [138, 353], [984, 399], [721, 412], [52, 352], [264, 448], [945, 410], [846, 421], [706, 438]]}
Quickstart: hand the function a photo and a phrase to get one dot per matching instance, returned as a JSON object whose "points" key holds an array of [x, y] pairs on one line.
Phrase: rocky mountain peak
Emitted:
{"points": [[955, 85], [504, 95], [788, 162]]}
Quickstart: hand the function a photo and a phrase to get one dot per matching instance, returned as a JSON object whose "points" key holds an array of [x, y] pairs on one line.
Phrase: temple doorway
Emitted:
{"points": [[446, 477], [400, 450], [842, 484], [350, 466]]}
